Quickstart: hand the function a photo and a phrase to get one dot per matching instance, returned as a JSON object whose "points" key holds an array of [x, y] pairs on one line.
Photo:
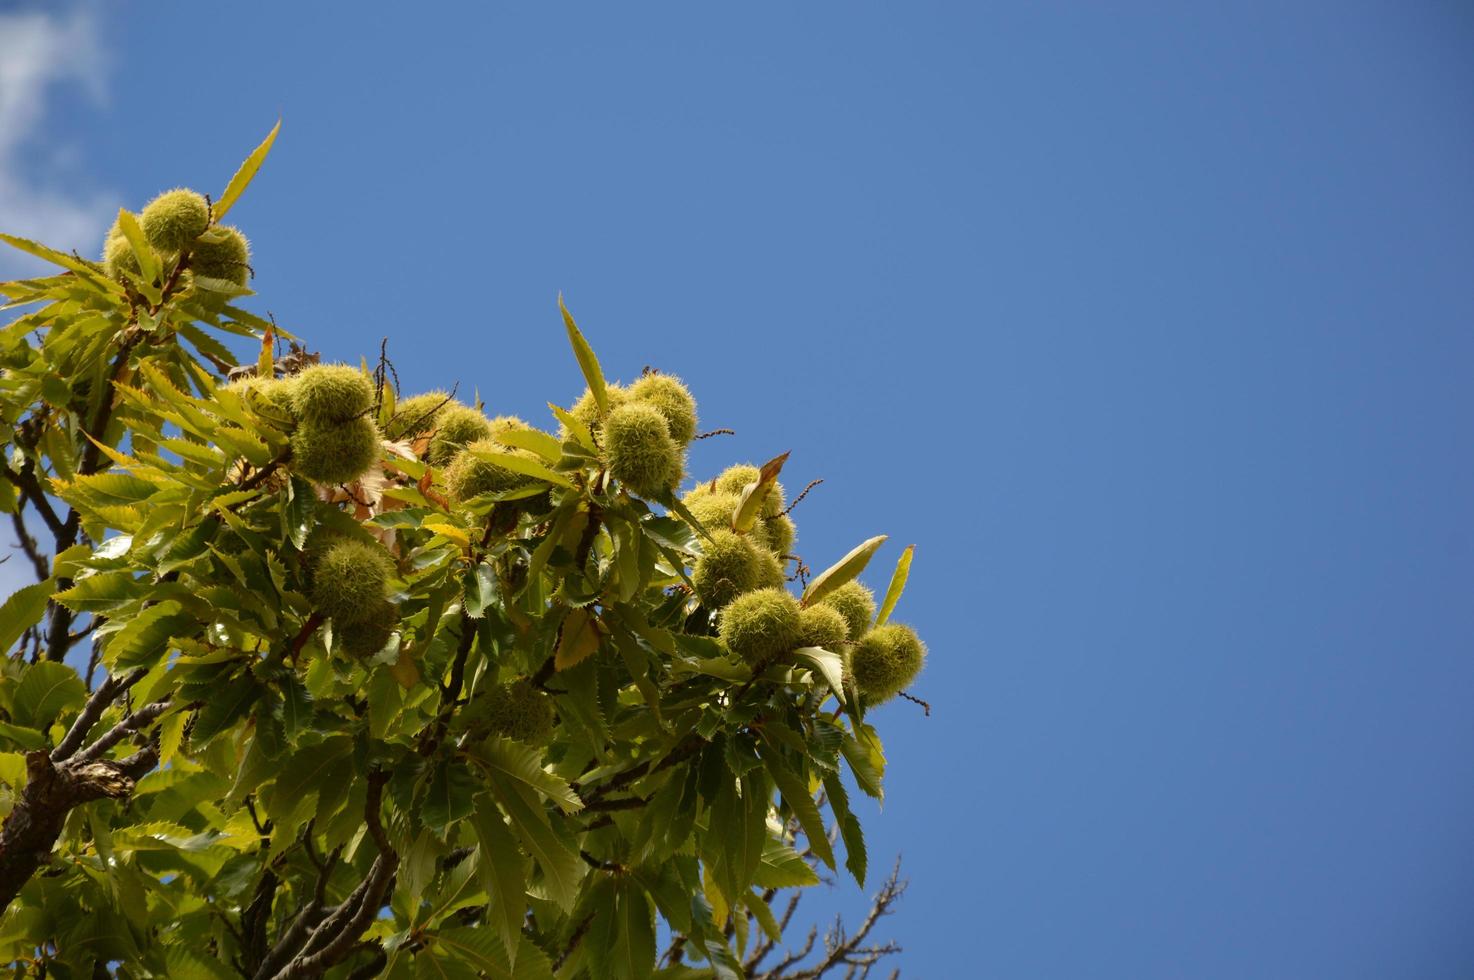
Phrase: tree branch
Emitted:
{"points": [[333, 940], [52, 791], [128, 726], [107, 692], [30, 547]]}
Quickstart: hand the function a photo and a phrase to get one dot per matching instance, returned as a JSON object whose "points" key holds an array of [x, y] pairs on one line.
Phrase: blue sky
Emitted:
{"points": [[1148, 324]]}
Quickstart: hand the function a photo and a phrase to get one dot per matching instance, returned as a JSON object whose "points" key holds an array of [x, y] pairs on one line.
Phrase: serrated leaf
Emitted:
{"points": [[503, 870], [580, 638], [307, 773], [46, 689], [830, 666], [587, 362], [674, 503], [842, 571], [479, 590], [866, 760], [296, 706], [228, 705], [897, 586], [562, 869], [849, 827], [764, 916], [145, 637], [62, 259], [782, 867], [106, 489], [242, 178], [448, 793], [634, 936], [796, 794], [738, 829], [519, 763], [102, 592], [476, 948], [580, 432], [171, 734], [22, 610]]}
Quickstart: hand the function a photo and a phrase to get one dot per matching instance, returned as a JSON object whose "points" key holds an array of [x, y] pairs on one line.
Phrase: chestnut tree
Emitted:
{"points": [[319, 679]]}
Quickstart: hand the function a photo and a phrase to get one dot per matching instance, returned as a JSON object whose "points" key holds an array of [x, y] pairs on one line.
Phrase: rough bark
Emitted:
{"points": [[52, 791]]}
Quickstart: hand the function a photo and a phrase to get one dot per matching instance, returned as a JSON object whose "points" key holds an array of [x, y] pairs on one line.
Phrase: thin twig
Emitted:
{"points": [[107, 692]]}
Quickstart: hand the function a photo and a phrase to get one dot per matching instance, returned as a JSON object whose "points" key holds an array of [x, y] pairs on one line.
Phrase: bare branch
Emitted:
{"points": [[335, 937], [30, 547], [107, 692], [128, 726]]}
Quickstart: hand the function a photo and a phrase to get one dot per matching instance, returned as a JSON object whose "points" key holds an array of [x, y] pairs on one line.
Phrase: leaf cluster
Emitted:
{"points": [[461, 712]]}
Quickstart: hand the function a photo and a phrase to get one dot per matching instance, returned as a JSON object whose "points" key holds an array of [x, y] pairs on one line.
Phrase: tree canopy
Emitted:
{"points": [[319, 679]]}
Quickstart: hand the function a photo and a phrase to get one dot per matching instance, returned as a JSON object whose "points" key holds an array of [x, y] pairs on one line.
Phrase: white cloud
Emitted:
{"points": [[40, 52]]}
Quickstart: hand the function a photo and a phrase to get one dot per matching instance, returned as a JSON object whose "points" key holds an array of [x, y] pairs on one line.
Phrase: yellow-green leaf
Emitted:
{"points": [[587, 362], [579, 639], [242, 178], [136, 241], [843, 570], [537, 442], [523, 465], [897, 586], [22, 610]]}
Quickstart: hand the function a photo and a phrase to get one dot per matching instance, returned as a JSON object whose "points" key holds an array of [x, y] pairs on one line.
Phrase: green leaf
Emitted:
{"points": [[296, 706], [46, 689], [674, 503], [106, 489], [223, 709], [523, 465], [476, 948], [750, 504], [863, 752], [532, 440], [103, 592], [22, 610], [737, 832], [668, 531], [62, 259], [782, 867], [843, 570], [479, 590], [829, 664], [633, 955], [27, 738], [562, 869], [587, 362], [147, 262], [764, 916], [503, 870], [448, 795], [897, 586], [13, 770], [522, 764], [849, 827], [582, 437], [796, 794], [187, 964], [242, 178], [145, 637], [297, 514]]}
